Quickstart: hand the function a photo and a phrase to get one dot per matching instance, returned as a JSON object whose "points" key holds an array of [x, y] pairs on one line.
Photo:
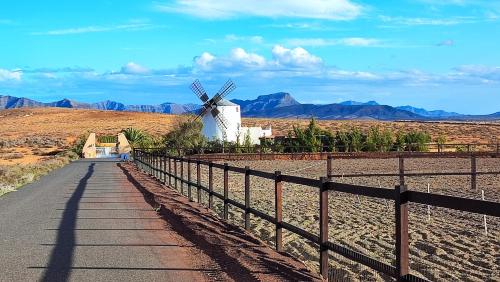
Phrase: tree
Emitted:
{"points": [[379, 141], [305, 140], [186, 137], [247, 143], [342, 141], [356, 140], [417, 140]]}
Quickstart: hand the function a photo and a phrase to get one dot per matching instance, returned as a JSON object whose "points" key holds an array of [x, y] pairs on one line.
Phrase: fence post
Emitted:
{"points": [[198, 181], [150, 163], [323, 228], [278, 206], [329, 167], [401, 170], [169, 171], [226, 191], [473, 174], [402, 247], [247, 197], [182, 176], [175, 173], [210, 185], [165, 172], [157, 165], [189, 180], [154, 160]]}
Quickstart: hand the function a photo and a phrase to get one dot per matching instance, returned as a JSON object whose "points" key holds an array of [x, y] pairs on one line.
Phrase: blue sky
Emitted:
{"points": [[432, 54]]}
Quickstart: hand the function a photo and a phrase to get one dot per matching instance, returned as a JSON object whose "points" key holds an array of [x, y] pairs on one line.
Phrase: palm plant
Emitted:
{"points": [[135, 136]]}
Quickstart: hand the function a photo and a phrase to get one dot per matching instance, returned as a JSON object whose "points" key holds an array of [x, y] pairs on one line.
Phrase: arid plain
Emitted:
{"points": [[449, 245], [29, 134]]}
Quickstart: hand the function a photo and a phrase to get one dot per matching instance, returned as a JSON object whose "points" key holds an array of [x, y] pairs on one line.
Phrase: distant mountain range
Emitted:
{"points": [[277, 105], [10, 102]]}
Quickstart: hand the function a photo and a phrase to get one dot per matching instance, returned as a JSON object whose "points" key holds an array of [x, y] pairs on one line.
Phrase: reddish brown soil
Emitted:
{"points": [[239, 255]]}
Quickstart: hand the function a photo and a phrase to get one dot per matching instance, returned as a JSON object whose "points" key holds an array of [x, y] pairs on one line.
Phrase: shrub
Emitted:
{"points": [[379, 141], [186, 137], [77, 146], [417, 141], [134, 136]]}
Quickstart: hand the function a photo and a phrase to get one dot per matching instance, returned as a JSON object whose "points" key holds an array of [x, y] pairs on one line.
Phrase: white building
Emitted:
{"points": [[234, 131]]}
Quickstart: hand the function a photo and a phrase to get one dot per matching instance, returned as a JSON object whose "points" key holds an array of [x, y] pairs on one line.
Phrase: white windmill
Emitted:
{"points": [[221, 118]]}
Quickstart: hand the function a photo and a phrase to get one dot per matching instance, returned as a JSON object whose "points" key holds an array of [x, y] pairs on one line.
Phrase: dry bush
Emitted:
{"points": [[11, 156], [15, 176]]}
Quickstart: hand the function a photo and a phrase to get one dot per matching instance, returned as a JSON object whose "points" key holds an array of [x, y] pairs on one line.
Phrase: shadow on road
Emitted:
{"points": [[61, 258]]}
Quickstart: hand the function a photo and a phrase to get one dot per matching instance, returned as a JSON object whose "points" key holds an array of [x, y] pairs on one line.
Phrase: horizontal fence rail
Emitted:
{"points": [[165, 168], [273, 147]]}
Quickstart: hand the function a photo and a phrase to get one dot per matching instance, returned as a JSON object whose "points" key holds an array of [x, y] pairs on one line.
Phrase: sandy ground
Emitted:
{"points": [[450, 246], [63, 126], [237, 254]]}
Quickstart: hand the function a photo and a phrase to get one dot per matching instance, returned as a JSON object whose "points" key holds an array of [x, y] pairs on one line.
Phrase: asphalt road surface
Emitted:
{"points": [[86, 222]]}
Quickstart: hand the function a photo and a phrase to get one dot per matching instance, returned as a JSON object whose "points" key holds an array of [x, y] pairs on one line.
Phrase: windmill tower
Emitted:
{"points": [[221, 118]]}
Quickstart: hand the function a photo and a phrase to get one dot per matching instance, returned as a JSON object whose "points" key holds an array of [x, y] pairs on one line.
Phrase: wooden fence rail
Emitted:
{"points": [[149, 161], [402, 173]]}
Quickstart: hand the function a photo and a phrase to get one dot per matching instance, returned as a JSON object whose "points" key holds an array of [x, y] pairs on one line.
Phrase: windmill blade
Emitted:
{"points": [[199, 91], [215, 112], [228, 87], [223, 120], [217, 115], [221, 125], [203, 111]]}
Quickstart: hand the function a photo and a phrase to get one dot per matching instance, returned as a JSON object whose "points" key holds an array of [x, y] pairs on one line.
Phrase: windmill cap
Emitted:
{"points": [[225, 102]]}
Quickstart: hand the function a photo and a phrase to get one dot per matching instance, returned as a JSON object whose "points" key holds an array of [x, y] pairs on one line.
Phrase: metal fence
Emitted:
{"points": [[169, 170]]}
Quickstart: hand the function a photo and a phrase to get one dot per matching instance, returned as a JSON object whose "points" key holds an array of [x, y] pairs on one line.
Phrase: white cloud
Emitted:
{"points": [[239, 61], [92, 29], [10, 75], [301, 25], [427, 21], [255, 39], [448, 42], [486, 74], [446, 2], [250, 59], [204, 61], [133, 68], [223, 9], [296, 57], [350, 41]]}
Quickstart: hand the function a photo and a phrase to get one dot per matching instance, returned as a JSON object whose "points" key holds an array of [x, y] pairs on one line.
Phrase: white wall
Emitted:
{"points": [[233, 117], [255, 134]]}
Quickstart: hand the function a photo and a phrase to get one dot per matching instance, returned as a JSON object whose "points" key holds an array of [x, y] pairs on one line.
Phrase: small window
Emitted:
{"points": [[237, 109]]}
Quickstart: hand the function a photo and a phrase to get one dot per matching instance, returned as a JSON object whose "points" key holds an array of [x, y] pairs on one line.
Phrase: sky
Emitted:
{"points": [[435, 54]]}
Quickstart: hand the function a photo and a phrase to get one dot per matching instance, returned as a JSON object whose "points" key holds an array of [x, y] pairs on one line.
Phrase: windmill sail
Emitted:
{"points": [[199, 91], [224, 91]]}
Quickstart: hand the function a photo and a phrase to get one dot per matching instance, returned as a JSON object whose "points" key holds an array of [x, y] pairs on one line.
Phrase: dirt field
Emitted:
{"points": [[451, 246], [56, 128], [477, 132]]}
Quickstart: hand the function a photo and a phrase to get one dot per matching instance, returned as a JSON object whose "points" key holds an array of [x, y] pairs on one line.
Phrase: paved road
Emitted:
{"points": [[86, 222]]}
